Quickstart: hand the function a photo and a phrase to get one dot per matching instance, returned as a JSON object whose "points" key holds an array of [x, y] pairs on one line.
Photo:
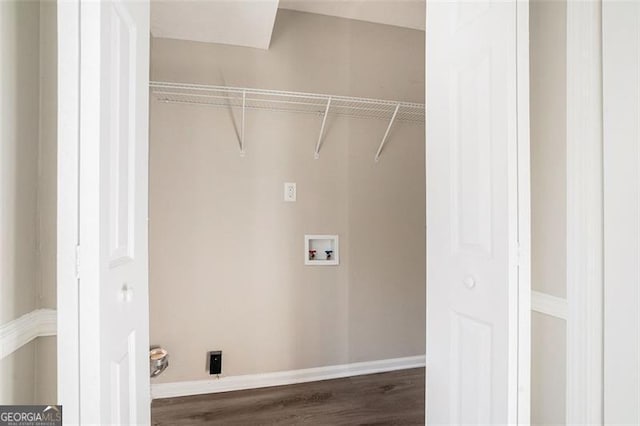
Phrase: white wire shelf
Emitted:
{"points": [[283, 101], [276, 100]]}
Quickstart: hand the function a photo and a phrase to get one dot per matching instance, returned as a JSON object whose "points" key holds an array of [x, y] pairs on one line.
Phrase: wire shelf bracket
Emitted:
{"points": [[316, 153], [244, 103], [386, 133], [284, 101]]}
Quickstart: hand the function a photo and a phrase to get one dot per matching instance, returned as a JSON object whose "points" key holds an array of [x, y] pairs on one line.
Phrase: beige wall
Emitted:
{"points": [[19, 75], [548, 370], [46, 351], [17, 378], [47, 158], [27, 192], [548, 142], [387, 242], [226, 253], [548, 204]]}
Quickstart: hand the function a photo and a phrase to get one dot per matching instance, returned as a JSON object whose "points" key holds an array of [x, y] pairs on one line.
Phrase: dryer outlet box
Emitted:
{"points": [[215, 362]]}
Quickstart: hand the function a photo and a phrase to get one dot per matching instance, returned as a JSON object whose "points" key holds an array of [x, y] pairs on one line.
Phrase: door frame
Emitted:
{"points": [[68, 235], [69, 196], [521, 390], [585, 205], [621, 174]]}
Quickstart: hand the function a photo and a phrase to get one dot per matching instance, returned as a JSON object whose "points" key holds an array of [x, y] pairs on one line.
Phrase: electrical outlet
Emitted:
{"points": [[215, 362], [290, 191]]}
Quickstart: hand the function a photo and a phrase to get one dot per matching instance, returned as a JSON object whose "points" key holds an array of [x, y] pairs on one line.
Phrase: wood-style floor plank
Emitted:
{"points": [[394, 398]]}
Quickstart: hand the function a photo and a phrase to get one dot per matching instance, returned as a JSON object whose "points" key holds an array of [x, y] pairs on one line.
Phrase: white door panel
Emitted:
{"points": [[113, 212], [621, 98], [471, 212]]}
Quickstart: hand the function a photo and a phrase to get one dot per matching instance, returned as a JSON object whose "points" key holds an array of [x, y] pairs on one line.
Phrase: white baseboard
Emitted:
{"points": [[254, 381], [20, 331], [549, 305]]}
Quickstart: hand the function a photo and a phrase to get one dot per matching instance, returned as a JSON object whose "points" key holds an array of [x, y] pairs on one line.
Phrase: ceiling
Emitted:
{"points": [[401, 13], [249, 23]]}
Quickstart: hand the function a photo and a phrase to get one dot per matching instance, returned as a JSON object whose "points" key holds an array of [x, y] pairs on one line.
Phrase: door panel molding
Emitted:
{"points": [[68, 355], [584, 213]]}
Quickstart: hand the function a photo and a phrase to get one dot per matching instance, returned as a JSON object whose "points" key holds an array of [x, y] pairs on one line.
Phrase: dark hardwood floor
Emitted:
{"points": [[395, 398]]}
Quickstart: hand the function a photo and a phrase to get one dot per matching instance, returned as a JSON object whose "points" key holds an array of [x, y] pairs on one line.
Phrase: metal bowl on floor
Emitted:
{"points": [[158, 360]]}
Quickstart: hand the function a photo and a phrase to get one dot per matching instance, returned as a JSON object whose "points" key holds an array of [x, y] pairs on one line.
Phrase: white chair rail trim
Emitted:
{"points": [[549, 305], [22, 330]]}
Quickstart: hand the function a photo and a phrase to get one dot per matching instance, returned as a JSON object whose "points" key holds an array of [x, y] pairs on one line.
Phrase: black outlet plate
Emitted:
{"points": [[215, 362]]}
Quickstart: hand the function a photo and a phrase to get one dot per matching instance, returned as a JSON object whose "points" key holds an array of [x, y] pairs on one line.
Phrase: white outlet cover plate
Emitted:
{"points": [[290, 191]]}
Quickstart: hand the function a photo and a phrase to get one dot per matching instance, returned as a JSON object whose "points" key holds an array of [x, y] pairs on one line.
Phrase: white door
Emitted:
{"points": [[113, 260], [475, 174], [621, 126]]}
